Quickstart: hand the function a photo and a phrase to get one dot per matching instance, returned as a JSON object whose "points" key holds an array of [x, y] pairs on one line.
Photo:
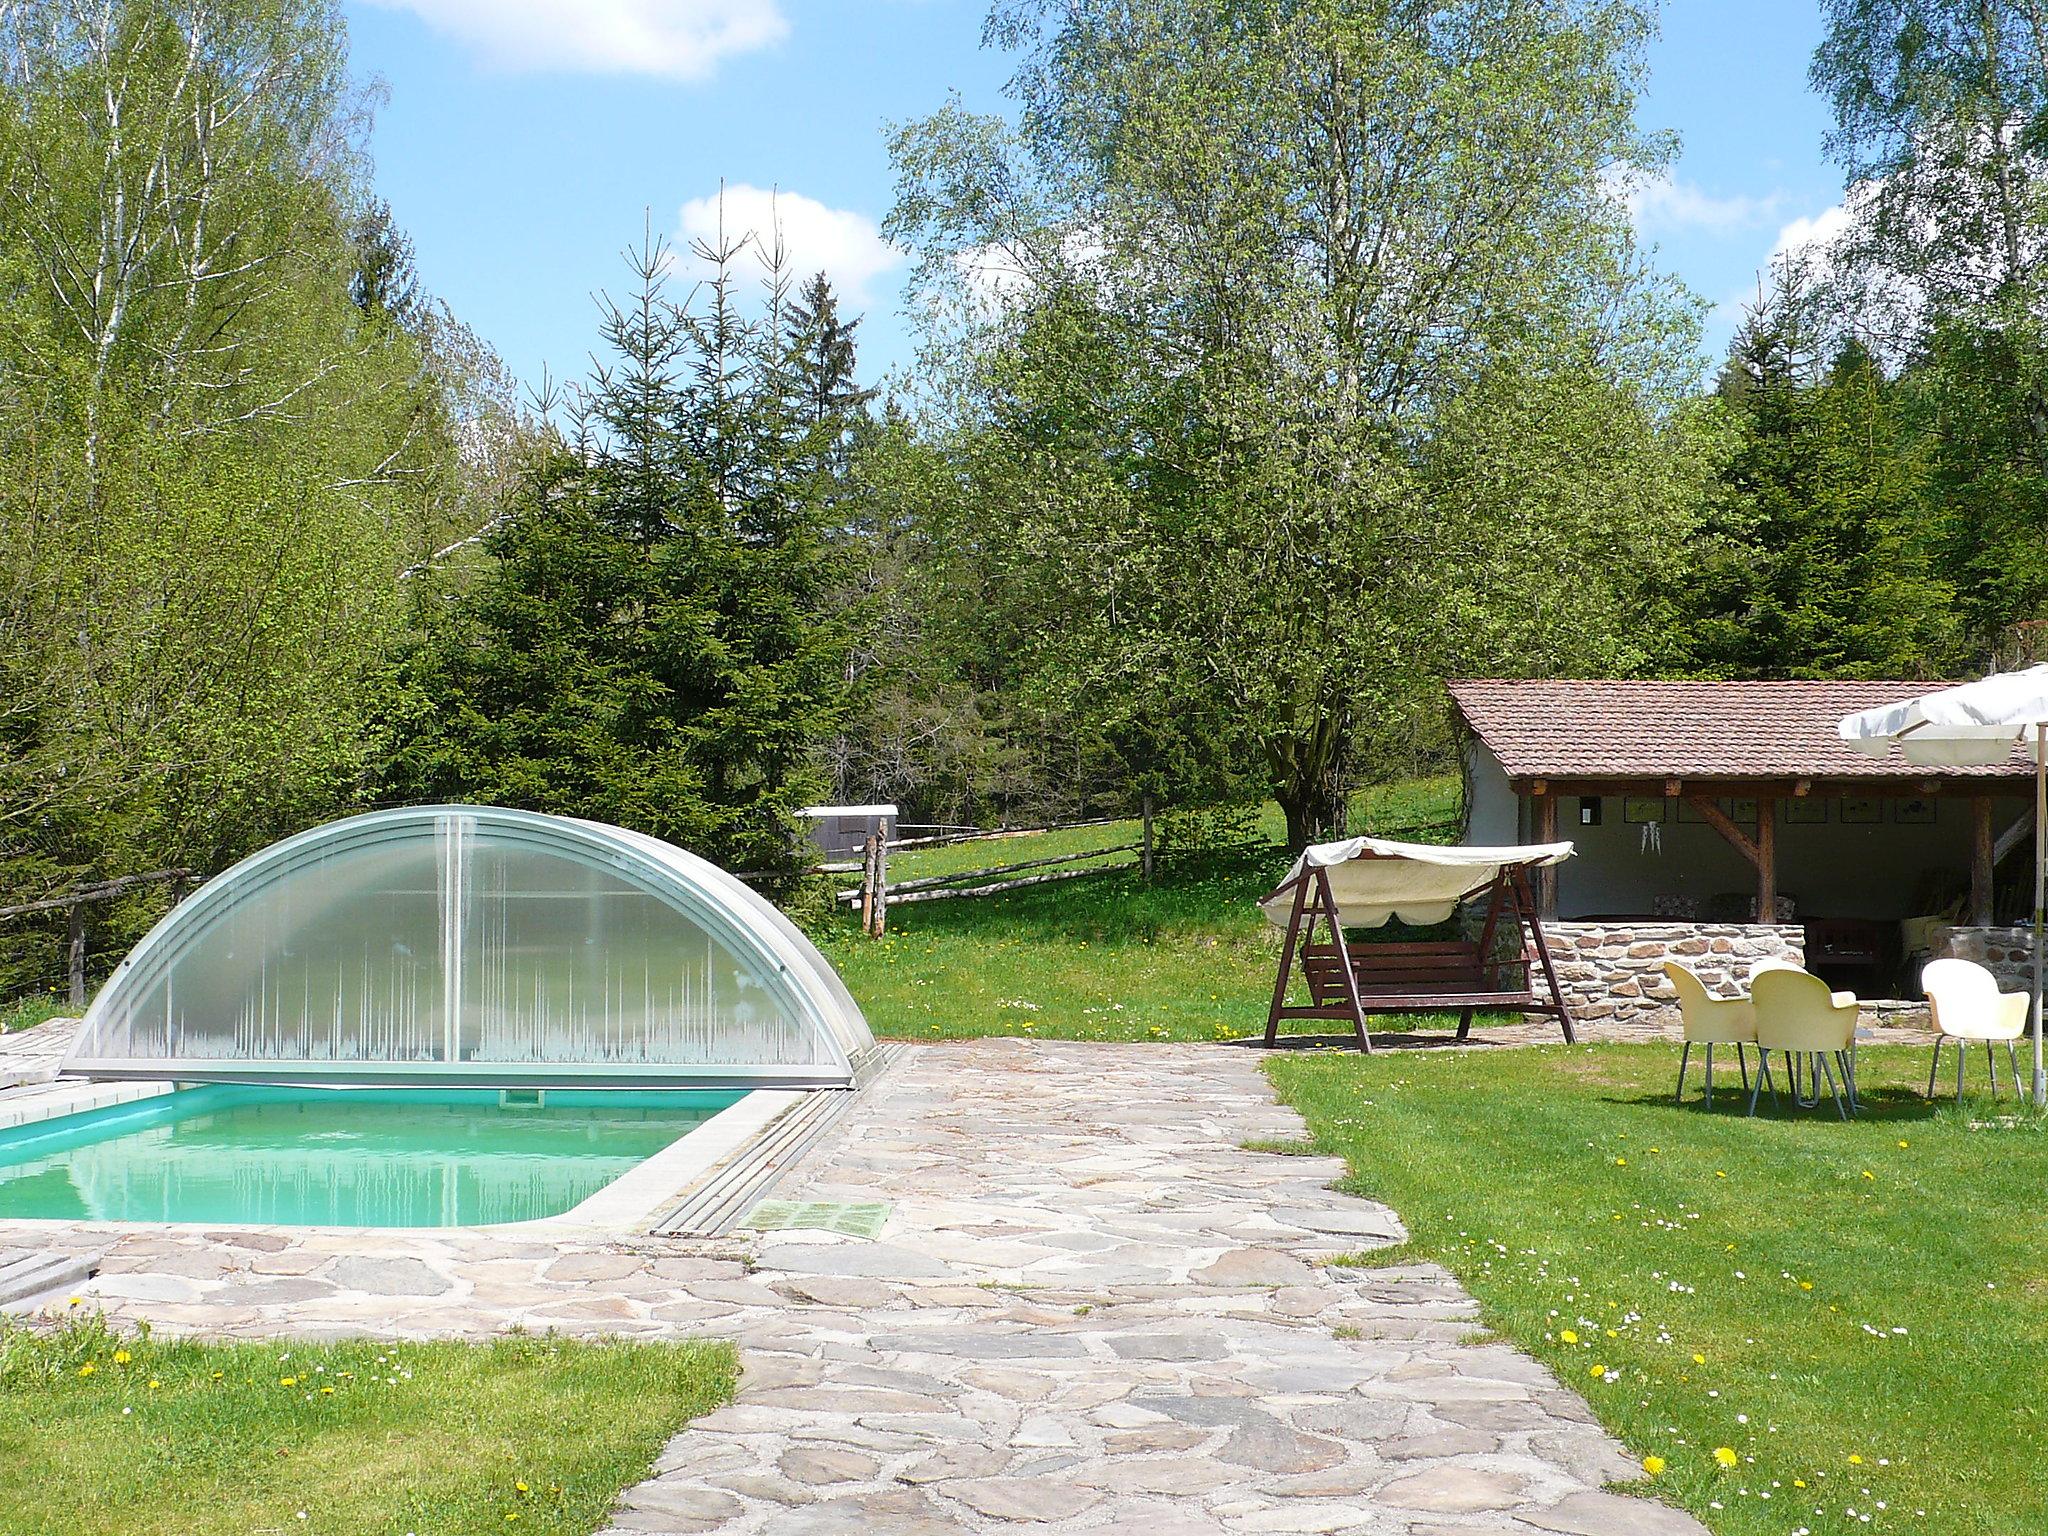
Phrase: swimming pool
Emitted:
{"points": [[234, 1154]]}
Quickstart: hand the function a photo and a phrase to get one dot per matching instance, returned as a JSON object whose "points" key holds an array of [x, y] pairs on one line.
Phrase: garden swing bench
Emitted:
{"points": [[1365, 882]]}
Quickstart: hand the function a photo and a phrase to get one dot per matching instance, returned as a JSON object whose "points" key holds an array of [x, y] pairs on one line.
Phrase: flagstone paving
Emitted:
{"points": [[1091, 1310]]}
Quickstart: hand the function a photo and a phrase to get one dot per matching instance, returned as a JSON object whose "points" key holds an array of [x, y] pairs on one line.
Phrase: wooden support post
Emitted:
{"points": [[1766, 859], [1546, 877], [1286, 959], [867, 886], [1532, 925], [1980, 860], [77, 920], [1145, 853], [1344, 966], [881, 923]]}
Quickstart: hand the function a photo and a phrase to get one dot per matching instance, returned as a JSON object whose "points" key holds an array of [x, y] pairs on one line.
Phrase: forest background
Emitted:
{"points": [[1280, 360]]}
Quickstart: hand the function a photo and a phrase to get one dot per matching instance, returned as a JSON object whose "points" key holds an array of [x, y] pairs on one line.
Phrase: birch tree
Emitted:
{"points": [[219, 461]]}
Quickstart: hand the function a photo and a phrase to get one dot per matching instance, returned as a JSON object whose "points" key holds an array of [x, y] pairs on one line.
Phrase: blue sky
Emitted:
{"points": [[525, 141]]}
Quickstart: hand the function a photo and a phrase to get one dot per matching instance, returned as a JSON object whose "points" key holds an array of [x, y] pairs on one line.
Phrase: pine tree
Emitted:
{"points": [[1823, 560], [653, 644]]}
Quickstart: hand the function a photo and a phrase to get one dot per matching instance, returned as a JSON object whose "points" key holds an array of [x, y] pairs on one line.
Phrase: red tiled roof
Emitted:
{"points": [[1581, 728]]}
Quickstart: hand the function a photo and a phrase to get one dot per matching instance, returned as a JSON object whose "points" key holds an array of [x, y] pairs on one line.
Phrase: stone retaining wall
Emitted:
{"points": [[1614, 971], [2008, 953]]}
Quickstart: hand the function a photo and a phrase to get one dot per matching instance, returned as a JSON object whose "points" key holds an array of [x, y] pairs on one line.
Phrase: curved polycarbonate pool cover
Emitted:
{"points": [[472, 945]]}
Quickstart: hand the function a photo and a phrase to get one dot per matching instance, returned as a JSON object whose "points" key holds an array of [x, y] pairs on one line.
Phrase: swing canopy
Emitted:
{"points": [[1375, 880]]}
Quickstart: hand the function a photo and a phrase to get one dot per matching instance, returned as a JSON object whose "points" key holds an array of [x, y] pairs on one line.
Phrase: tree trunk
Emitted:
{"points": [[1311, 778], [1315, 810]]}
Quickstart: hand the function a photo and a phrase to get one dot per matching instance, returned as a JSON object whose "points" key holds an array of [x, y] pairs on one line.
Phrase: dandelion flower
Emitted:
{"points": [[87, 1369], [1653, 1465], [1725, 1455], [1903, 1144], [1699, 1359], [122, 1357], [1855, 1460], [1621, 1162], [1568, 1337], [1596, 1370], [154, 1383]]}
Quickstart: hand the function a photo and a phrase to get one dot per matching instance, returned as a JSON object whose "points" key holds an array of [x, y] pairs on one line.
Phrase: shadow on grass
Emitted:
{"points": [[1887, 1102], [1399, 1039]]}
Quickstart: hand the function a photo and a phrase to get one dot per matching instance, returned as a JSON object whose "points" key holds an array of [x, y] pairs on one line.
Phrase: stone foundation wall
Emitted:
{"points": [[2007, 953], [1613, 971]]}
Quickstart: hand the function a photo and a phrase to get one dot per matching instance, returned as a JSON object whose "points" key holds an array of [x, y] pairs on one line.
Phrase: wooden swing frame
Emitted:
{"points": [[1349, 981]]}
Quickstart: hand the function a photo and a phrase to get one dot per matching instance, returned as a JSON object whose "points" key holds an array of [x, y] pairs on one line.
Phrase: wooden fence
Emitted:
{"points": [[78, 901], [875, 894]]}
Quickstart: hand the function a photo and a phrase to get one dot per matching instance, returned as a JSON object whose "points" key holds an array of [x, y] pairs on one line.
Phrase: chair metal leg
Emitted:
{"points": [[1848, 1079], [1765, 1079], [2013, 1061], [1756, 1087], [1810, 1099], [1684, 1056], [1991, 1070], [1742, 1064], [1934, 1066], [1962, 1055], [1840, 1110]]}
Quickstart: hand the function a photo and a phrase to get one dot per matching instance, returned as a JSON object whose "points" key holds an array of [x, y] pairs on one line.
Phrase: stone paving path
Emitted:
{"points": [[32, 1055], [1091, 1311], [1094, 1311]]}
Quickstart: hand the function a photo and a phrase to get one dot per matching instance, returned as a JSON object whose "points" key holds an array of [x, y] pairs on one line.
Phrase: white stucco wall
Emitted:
{"points": [[1831, 869]]}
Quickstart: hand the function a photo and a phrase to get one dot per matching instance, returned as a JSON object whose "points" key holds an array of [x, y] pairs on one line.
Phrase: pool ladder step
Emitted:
{"points": [[734, 1187], [30, 1272]]}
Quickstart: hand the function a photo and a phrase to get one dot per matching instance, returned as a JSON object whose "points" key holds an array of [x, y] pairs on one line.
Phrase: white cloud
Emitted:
{"points": [[842, 243], [679, 39], [1658, 200], [1806, 237]]}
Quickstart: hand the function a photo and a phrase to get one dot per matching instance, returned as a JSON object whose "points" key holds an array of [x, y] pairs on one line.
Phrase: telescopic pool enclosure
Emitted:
{"points": [[473, 946]]}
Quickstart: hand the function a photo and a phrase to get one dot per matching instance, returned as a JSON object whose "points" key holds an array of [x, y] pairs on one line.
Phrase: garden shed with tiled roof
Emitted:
{"points": [[1736, 803]]}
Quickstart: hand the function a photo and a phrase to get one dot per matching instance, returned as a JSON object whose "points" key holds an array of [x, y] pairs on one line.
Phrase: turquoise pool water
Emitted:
{"points": [[354, 1158]]}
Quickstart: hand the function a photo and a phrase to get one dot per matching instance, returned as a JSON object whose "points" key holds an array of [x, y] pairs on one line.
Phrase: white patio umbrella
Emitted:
{"points": [[1976, 725]]}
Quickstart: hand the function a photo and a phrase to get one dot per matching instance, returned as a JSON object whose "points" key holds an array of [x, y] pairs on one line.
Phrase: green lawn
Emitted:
{"points": [[1856, 1314], [353, 1439], [27, 1012], [1104, 957], [984, 852]]}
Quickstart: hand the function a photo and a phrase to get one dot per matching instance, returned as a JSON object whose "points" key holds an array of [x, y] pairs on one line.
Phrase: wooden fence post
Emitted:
{"points": [[1145, 854], [881, 923], [77, 920], [867, 886]]}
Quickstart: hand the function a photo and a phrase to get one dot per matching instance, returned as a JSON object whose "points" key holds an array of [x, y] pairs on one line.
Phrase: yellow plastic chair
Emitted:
{"points": [[1710, 1021], [1798, 1014], [1966, 1004]]}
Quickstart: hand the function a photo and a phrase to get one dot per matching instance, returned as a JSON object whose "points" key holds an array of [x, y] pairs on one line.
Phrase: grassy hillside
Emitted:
{"points": [[1104, 957]]}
